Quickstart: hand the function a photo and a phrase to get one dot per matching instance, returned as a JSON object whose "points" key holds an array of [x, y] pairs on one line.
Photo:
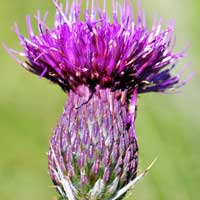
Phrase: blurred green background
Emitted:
{"points": [[168, 126]]}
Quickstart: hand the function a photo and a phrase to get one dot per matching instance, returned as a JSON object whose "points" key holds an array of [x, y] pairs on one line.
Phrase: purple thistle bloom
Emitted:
{"points": [[103, 64], [120, 53]]}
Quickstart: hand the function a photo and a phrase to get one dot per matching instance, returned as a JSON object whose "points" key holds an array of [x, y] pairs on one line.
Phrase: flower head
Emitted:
{"points": [[117, 53], [103, 64]]}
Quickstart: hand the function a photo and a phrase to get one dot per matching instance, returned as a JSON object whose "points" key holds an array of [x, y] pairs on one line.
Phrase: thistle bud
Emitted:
{"points": [[94, 145]]}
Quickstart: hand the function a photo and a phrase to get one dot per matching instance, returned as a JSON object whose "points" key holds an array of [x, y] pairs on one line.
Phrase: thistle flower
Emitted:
{"points": [[102, 64]]}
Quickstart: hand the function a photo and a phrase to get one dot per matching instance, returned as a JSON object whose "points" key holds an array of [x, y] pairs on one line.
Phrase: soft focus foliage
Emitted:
{"points": [[168, 125]]}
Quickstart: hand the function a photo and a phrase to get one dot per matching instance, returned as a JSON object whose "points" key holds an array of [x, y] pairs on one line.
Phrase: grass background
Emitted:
{"points": [[167, 125]]}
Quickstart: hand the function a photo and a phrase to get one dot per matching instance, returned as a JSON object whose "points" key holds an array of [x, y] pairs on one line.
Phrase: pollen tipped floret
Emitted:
{"points": [[88, 47], [93, 146]]}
